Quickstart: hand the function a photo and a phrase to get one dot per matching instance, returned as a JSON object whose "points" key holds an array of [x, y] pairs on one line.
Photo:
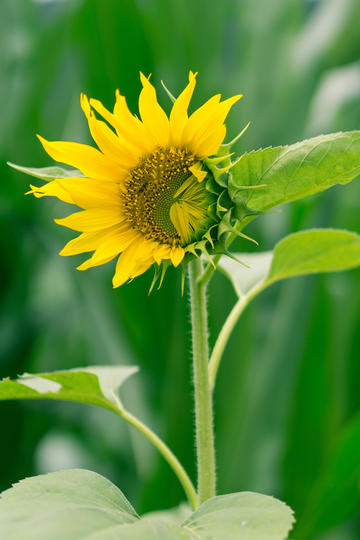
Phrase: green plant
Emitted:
{"points": [[250, 186]]}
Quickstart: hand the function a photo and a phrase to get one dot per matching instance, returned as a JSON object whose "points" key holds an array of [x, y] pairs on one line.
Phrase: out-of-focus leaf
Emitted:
{"points": [[296, 171], [47, 173], [93, 385]]}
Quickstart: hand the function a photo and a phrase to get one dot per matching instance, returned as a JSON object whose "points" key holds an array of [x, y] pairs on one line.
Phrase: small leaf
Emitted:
{"points": [[93, 385], [247, 516], [314, 251], [296, 171], [47, 173], [306, 252]]}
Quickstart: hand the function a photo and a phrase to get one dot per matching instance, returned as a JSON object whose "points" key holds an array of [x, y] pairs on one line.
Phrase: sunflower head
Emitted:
{"points": [[150, 194]]}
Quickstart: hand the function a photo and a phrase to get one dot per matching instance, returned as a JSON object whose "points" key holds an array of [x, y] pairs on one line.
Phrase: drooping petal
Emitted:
{"points": [[152, 115], [90, 161], [91, 220], [179, 114]]}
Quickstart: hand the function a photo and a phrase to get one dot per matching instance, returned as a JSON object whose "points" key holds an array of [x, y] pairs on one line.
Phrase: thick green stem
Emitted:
{"points": [[203, 397], [163, 449]]}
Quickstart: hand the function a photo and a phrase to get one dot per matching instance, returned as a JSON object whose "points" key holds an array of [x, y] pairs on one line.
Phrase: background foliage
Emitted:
{"points": [[287, 404]]}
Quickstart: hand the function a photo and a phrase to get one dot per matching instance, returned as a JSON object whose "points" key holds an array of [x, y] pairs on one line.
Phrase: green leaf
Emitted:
{"points": [[69, 504], [93, 385], [77, 504], [248, 516], [314, 251], [47, 173], [306, 252], [296, 171]]}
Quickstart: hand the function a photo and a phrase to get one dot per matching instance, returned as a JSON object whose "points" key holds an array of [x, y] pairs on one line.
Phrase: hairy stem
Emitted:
{"points": [[203, 397], [163, 449]]}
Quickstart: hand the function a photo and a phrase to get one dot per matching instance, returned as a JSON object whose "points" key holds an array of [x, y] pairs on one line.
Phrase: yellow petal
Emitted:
{"points": [[199, 118], [198, 172], [130, 127], [152, 115], [88, 193], [84, 192], [90, 161], [179, 115], [51, 189], [112, 245], [86, 242], [210, 145], [142, 266], [107, 141], [160, 252], [127, 261], [203, 125], [177, 255], [91, 220]]}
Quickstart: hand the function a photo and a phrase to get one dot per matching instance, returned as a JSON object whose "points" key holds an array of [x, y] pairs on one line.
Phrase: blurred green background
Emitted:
{"points": [[288, 402]]}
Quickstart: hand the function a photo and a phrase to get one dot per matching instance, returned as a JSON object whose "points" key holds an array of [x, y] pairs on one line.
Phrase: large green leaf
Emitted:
{"points": [[77, 504], [69, 504], [296, 171], [93, 385], [47, 173], [307, 252]]}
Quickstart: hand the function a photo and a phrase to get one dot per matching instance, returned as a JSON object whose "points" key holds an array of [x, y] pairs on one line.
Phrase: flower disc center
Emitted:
{"points": [[159, 193]]}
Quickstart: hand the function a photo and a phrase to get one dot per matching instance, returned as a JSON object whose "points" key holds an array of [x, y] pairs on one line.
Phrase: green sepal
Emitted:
{"points": [[212, 186], [159, 274], [212, 212], [223, 204], [241, 210], [225, 226]]}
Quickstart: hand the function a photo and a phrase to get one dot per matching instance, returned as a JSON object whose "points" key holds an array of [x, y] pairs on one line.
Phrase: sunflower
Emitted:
{"points": [[144, 193]]}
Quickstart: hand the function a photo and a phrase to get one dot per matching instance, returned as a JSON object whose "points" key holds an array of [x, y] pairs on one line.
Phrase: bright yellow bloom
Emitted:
{"points": [[143, 193]]}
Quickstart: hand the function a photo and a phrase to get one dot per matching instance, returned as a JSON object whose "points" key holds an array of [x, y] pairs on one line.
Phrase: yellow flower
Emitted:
{"points": [[143, 194]]}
